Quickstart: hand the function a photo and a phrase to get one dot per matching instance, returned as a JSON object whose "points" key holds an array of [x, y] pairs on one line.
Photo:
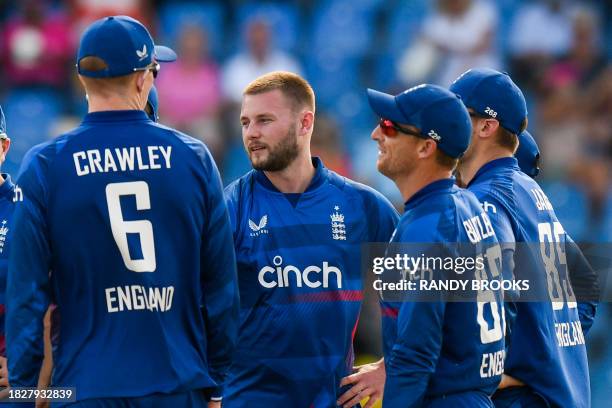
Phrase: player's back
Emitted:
{"points": [[546, 348], [130, 208], [459, 344]]}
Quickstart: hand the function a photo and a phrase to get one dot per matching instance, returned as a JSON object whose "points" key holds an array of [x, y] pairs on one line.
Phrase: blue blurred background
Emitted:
{"points": [[558, 51]]}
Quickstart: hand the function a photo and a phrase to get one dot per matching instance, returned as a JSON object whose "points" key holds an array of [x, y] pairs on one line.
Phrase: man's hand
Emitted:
{"points": [[214, 404], [508, 381], [3, 372], [3, 378], [368, 380]]}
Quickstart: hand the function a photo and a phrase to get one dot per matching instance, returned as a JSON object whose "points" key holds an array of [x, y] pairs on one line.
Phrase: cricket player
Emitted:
{"points": [[546, 362], [124, 227], [7, 204], [585, 282], [298, 229], [437, 353]]}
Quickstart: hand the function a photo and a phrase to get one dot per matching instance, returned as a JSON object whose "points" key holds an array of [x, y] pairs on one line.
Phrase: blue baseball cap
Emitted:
{"points": [[528, 154], [123, 43], [2, 124], [436, 112], [492, 94], [153, 102]]}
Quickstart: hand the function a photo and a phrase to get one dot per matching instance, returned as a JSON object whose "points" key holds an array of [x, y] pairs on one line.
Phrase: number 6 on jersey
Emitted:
{"points": [[120, 227]]}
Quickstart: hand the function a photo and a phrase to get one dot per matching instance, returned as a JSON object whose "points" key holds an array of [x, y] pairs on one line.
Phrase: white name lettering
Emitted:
{"points": [[122, 159], [136, 297]]}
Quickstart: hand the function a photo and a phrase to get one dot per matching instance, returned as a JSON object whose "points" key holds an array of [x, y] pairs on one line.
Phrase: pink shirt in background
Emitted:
{"points": [[37, 55], [187, 94]]}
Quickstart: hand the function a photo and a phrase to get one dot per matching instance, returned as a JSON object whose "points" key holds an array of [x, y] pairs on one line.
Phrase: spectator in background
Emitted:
{"points": [[459, 35], [584, 60], [541, 31], [259, 59], [327, 144], [36, 46], [86, 12], [571, 127], [190, 90]]}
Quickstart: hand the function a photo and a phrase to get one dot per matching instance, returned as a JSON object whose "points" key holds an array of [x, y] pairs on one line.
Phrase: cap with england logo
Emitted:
{"points": [[492, 94], [123, 44], [436, 112]]}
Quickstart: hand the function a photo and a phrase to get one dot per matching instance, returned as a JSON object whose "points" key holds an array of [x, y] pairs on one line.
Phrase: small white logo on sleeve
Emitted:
{"points": [[142, 54], [260, 228], [3, 231]]}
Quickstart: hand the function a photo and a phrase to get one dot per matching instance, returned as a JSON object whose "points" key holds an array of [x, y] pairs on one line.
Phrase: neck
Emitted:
{"points": [[410, 184], [296, 177], [469, 166], [99, 104], [2, 179]]}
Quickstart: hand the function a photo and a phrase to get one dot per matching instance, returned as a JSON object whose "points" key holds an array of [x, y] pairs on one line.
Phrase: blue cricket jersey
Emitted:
{"points": [[546, 347], [301, 285], [436, 349], [7, 204], [124, 227]]}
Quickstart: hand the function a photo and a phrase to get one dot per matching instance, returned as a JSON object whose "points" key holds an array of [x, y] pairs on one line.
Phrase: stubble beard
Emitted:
{"points": [[281, 156]]}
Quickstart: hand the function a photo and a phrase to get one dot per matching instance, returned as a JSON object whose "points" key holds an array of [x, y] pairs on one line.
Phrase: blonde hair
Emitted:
{"points": [[102, 86], [292, 86]]}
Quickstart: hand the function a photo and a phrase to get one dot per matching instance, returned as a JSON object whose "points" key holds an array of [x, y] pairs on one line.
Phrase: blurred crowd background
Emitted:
{"points": [[558, 51]]}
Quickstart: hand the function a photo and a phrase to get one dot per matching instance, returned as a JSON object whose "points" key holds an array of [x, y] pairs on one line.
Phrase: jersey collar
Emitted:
{"points": [[493, 166], [116, 116], [317, 180], [446, 184]]}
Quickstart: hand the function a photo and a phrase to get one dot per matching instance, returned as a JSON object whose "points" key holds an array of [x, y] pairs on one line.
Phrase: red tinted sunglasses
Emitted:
{"points": [[391, 129]]}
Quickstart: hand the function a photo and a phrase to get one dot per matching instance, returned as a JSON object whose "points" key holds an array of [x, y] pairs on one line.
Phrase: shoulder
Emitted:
{"points": [[498, 191], [236, 188], [366, 194], [42, 154], [189, 146]]}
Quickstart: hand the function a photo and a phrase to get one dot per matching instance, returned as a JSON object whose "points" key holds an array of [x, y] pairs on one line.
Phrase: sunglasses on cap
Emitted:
{"points": [[153, 67], [391, 129]]}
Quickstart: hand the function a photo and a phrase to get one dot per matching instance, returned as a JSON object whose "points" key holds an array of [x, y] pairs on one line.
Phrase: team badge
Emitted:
{"points": [[3, 231], [337, 225]]}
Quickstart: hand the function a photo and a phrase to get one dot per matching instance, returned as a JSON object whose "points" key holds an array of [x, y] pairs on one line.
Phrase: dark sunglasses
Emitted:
{"points": [[153, 67], [391, 129]]}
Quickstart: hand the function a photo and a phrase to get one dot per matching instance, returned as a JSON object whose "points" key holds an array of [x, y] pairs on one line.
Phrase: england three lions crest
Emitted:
{"points": [[338, 228], [3, 233]]}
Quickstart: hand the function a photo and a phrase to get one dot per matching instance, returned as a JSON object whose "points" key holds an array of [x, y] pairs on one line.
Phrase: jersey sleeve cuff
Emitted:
{"points": [[216, 393]]}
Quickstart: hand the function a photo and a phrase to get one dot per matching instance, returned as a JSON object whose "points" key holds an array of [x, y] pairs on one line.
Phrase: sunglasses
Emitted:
{"points": [[153, 67], [391, 129]]}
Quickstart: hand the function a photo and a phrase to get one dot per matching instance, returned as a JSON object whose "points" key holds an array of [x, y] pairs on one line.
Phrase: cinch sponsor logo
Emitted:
{"points": [[290, 275]]}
